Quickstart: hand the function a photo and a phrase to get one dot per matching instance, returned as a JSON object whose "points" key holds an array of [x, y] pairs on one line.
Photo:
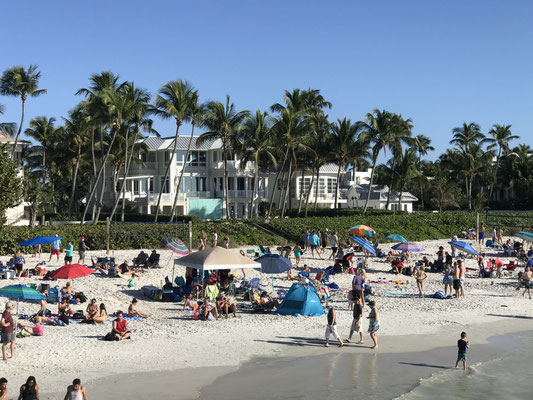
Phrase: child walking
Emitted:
{"points": [[331, 329], [356, 323], [462, 345]]}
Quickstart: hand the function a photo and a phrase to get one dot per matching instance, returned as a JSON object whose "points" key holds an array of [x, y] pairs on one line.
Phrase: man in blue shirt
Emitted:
{"points": [[56, 248]]}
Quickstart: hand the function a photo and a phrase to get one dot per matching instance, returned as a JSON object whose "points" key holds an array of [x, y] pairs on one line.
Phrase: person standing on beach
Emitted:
{"points": [[8, 331], [356, 323], [462, 345], [314, 242], [214, 239], [500, 236], [324, 239], [82, 249], [462, 277], [420, 275], [69, 252], [456, 279], [306, 240], [203, 239], [56, 249], [334, 243], [373, 327], [494, 236], [481, 233], [3, 388], [76, 391], [331, 329], [19, 263]]}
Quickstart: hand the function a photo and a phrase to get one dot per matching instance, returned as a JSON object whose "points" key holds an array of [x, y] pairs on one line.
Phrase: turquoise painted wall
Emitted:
{"points": [[206, 208]]}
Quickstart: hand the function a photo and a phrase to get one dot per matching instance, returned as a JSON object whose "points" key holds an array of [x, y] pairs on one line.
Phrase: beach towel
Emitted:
{"points": [[395, 293], [211, 292]]}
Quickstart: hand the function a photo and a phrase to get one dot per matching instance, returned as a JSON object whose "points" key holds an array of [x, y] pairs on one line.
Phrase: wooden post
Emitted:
{"points": [[107, 234], [190, 236]]}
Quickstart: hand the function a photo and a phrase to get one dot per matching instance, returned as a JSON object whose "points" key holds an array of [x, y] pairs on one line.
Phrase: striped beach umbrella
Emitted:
{"points": [[176, 245], [463, 246], [408, 246], [525, 236], [365, 244], [362, 230]]}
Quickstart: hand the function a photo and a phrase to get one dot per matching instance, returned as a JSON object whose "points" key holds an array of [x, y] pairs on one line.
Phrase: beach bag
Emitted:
{"points": [[439, 294], [81, 297], [109, 337], [78, 315], [38, 330]]}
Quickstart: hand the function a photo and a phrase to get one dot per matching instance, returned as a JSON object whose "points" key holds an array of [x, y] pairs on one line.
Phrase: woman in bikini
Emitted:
{"points": [[420, 275], [102, 317], [132, 312]]}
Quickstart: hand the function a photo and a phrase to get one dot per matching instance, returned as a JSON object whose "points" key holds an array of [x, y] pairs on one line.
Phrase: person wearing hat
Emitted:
{"points": [[56, 248], [82, 248], [331, 329], [8, 331]]}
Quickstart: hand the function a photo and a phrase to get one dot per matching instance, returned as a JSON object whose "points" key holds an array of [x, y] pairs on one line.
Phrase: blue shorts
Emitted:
{"points": [[461, 357], [313, 247], [481, 235]]}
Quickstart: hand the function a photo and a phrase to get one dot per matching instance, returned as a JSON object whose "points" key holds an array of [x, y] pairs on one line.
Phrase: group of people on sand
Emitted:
{"points": [[30, 390], [202, 237], [211, 311]]}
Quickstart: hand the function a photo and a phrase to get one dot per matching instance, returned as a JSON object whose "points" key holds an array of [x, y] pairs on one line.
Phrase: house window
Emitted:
{"points": [[305, 184], [197, 159], [230, 183], [180, 156], [144, 185], [405, 207], [136, 186], [357, 180], [144, 157], [215, 156], [201, 184], [321, 187], [202, 158], [165, 184], [167, 156], [240, 183], [151, 185], [332, 185]]}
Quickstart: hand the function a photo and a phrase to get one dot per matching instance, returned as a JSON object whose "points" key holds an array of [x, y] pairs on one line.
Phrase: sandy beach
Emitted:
{"points": [[171, 340]]}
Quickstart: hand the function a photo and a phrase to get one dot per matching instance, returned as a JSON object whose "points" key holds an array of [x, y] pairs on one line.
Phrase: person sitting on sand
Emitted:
{"points": [[207, 312], [101, 317], [32, 330], [42, 309], [92, 310], [189, 303], [3, 388], [67, 290], [140, 260], [63, 308], [126, 270], [120, 328], [266, 301], [153, 260], [291, 277], [223, 304], [132, 312]]}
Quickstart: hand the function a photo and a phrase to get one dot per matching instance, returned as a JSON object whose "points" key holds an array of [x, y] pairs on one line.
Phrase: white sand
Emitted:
{"points": [[171, 339]]}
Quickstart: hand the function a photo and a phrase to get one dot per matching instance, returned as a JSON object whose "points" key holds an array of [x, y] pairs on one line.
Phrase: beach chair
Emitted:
{"points": [[263, 250], [251, 252], [54, 295], [180, 281]]}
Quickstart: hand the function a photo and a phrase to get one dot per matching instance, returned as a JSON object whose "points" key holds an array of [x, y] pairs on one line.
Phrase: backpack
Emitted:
{"points": [[109, 337]]}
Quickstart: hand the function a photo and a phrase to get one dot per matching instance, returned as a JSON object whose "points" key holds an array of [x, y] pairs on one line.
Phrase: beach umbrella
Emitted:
{"points": [[408, 246], [365, 244], [463, 246], [530, 263], [525, 236], [396, 238], [21, 292], [39, 240], [273, 264], [71, 271], [176, 245], [216, 258], [362, 230]]}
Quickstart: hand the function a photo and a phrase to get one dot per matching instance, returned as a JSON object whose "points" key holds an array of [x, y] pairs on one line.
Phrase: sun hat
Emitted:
{"points": [[328, 305], [9, 305]]}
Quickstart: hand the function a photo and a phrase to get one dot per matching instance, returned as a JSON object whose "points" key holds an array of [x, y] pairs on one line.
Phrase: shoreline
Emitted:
{"points": [[418, 356]]}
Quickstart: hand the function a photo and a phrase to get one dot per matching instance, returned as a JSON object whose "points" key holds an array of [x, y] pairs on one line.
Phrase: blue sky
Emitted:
{"points": [[437, 62]]}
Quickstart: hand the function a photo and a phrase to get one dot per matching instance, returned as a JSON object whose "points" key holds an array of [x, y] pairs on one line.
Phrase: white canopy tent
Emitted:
{"points": [[216, 258]]}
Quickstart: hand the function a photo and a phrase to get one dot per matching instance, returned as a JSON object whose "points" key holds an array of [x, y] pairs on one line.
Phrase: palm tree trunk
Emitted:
{"points": [[256, 177], [44, 162], [93, 182], [470, 193], [20, 128], [162, 185], [337, 186], [309, 194], [289, 175], [102, 168], [300, 201], [400, 200], [127, 174], [276, 183], [284, 184], [74, 179], [374, 162], [100, 198], [495, 173], [173, 212], [122, 191], [317, 186]]}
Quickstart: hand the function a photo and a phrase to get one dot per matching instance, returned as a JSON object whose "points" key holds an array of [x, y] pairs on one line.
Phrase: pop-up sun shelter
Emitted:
{"points": [[301, 300]]}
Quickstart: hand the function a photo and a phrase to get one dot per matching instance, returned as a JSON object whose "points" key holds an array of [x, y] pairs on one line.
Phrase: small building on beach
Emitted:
{"points": [[356, 196]]}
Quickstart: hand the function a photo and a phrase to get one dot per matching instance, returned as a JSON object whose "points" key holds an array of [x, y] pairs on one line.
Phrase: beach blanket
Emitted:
{"points": [[395, 293]]}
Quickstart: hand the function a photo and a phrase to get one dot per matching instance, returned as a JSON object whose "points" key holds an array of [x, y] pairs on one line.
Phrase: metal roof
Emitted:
{"points": [[155, 143]]}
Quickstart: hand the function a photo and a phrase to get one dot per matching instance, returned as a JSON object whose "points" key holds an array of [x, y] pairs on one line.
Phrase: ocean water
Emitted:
{"points": [[507, 377]]}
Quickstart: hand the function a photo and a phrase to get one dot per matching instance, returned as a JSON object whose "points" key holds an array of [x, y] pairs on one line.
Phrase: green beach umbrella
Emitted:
{"points": [[20, 292], [396, 238]]}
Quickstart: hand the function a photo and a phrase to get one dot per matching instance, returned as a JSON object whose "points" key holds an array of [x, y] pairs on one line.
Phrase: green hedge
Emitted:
{"points": [[240, 234]]}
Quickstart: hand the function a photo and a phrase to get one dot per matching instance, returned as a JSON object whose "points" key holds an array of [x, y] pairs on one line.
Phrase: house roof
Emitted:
{"points": [[155, 143], [5, 138]]}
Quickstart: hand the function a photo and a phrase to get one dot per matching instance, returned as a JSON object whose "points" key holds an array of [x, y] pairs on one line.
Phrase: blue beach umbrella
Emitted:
{"points": [[463, 246], [525, 236], [396, 238], [530, 263], [20, 292], [39, 240], [408, 246], [365, 244], [273, 264]]}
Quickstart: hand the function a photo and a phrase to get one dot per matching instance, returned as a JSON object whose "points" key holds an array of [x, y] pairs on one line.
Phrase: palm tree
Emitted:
{"points": [[377, 129], [257, 145], [6, 127], [223, 122], [467, 135], [344, 138], [406, 171], [19, 82], [197, 120], [422, 145], [501, 136], [174, 100], [41, 129]]}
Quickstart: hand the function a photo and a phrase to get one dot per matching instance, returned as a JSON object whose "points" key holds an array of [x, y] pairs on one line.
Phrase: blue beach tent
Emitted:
{"points": [[301, 300]]}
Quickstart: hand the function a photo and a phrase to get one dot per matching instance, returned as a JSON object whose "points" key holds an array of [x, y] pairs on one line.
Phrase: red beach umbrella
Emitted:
{"points": [[71, 271]]}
